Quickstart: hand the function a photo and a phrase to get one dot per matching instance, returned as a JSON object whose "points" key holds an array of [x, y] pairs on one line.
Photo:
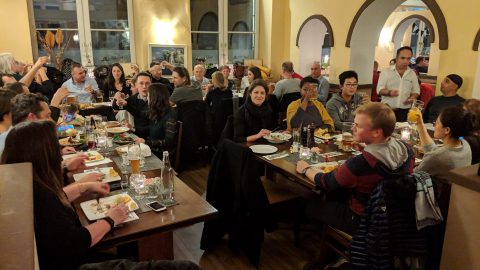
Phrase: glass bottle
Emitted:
{"points": [[311, 135], [167, 181], [304, 136]]}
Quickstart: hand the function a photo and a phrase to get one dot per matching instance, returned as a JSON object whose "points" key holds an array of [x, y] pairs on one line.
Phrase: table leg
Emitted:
{"points": [[156, 247]]}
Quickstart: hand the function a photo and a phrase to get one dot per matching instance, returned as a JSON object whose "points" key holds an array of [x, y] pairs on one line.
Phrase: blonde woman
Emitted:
{"points": [[220, 90]]}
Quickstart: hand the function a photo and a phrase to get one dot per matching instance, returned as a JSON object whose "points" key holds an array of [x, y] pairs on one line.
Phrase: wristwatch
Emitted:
{"points": [[110, 221], [304, 171]]}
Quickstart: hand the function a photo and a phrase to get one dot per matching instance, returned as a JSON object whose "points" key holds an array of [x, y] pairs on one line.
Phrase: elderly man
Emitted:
{"points": [[198, 79], [323, 84], [308, 109], [341, 107], [82, 87], [156, 71], [449, 88], [398, 85], [288, 84]]}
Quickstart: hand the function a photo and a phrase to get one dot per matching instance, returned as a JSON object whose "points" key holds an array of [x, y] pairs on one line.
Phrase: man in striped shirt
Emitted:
{"points": [[383, 157]]}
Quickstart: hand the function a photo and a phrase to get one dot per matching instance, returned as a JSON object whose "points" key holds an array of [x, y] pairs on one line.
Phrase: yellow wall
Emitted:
{"points": [[15, 29]]}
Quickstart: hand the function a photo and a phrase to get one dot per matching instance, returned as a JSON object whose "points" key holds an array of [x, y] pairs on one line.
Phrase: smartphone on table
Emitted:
{"points": [[156, 206]]}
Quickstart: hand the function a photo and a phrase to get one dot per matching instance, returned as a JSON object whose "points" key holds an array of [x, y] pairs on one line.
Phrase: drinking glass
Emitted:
{"points": [[415, 110], [71, 99], [134, 155], [124, 181], [315, 157], [138, 186], [347, 136], [304, 153], [91, 142]]}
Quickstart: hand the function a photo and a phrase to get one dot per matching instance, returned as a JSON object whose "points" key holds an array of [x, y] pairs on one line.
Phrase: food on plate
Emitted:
{"points": [[112, 124], [93, 156], [71, 132], [112, 173], [117, 129], [123, 138], [278, 137], [328, 167], [69, 141]]}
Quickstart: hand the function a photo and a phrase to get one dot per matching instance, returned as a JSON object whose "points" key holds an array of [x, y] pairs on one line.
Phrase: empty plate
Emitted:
{"points": [[263, 149]]}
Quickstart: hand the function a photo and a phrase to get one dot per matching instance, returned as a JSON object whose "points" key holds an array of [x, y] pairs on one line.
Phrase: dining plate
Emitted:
{"points": [[109, 174], [69, 141], [263, 149], [93, 212], [112, 124], [123, 138], [277, 137], [117, 130]]}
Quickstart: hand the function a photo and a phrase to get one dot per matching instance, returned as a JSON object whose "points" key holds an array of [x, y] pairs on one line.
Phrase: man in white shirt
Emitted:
{"points": [[398, 86], [82, 87], [287, 84]]}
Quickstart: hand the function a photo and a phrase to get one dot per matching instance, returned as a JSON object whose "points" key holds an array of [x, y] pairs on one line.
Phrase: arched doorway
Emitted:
{"points": [[422, 27], [314, 33], [365, 30]]}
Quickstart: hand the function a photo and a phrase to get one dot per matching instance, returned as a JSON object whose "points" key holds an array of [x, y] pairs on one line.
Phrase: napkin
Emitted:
{"points": [[276, 156], [96, 163], [146, 151], [331, 154]]}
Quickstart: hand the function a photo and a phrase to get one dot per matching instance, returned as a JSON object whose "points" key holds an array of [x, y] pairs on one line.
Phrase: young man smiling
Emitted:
{"points": [[383, 157]]}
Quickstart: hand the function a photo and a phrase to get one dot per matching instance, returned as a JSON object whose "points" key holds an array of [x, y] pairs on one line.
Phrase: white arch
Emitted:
{"points": [[310, 45]]}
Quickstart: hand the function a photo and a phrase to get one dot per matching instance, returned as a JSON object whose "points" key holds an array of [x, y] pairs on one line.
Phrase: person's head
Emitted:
{"points": [[253, 73], [17, 87], [374, 122], [316, 69], [219, 80], [72, 108], [142, 82], [402, 59], [199, 72], [6, 107], [308, 87], [392, 62], [375, 66], [78, 73], [348, 82], [117, 74], [158, 101], [287, 69], [454, 122], [36, 142], [180, 77], [7, 62], [225, 71], [6, 79], [450, 85], [421, 61], [257, 92], [29, 107], [473, 107], [156, 69]]}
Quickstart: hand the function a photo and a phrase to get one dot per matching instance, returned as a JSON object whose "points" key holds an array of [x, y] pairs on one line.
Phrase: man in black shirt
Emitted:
{"points": [[449, 87], [155, 71]]}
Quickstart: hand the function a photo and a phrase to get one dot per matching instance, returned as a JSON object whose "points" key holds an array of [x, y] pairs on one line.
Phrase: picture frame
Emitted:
{"points": [[174, 54]]}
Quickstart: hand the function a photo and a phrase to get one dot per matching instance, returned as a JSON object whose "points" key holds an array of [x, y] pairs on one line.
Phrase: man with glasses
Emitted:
{"points": [[341, 106], [398, 85], [308, 109]]}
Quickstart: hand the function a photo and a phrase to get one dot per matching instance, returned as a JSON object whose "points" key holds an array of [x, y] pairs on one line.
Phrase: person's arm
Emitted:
{"points": [[76, 190], [341, 178], [425, 139], [278, 92], [170, 134], [28, 78], [382, 89], [334, 113]]}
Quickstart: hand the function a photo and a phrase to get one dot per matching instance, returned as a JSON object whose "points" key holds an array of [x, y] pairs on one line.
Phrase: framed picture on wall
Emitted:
{"points": [[174, 54]]}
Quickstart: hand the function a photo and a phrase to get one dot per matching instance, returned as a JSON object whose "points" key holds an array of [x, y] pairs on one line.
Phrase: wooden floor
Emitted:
{"points": [[278, 251]]}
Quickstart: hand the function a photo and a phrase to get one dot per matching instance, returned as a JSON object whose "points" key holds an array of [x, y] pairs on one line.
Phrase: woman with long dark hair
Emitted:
{"points": [[162, 119], [254, 119], [184, 90], [62, 241], [116, 82], [452, 125], [253, 73]]}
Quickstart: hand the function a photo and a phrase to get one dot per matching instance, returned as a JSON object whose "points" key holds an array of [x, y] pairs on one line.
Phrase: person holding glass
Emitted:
{"points": [[308, 109], [451, 126], [254, 119], [80, 85], [341, 107], [62, 242], [116, 82], [163, 120]]}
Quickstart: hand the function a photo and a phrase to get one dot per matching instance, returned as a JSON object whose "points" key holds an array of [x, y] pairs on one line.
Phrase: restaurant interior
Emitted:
{"points": [[205, 194]]}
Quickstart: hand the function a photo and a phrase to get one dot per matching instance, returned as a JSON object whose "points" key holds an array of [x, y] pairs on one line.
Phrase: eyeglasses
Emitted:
{"points": [[352, 85]]}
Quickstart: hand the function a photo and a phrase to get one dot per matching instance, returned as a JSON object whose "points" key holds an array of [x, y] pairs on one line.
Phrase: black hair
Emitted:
{"points": [[408, 48], [23, 104], [308, 79], [347, 74], [460, 121]]}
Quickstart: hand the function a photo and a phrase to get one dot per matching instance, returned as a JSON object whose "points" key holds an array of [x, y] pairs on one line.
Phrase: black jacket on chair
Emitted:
{"points": [[235, 189]]}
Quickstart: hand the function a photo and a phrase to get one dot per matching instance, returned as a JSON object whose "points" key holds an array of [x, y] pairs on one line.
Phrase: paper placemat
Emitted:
{"points": [[96, 163], [276, 156]]}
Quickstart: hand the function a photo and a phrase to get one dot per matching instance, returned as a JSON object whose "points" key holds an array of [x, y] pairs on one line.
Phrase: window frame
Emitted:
{"points": [[84, 31]]}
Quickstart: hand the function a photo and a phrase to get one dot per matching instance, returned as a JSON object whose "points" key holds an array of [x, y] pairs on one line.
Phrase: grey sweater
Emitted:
{"points": [[186, 93], [341, 111], [438, 160]]}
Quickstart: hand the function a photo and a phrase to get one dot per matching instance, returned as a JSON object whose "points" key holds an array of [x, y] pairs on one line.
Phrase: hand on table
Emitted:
{"points": [[99, 188], [91, 177], [68, 150], [301, 165], [263, 132], [118, 213], [76, 163]]}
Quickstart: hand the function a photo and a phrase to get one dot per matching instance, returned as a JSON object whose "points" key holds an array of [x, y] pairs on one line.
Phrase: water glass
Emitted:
{"points": [[109, 142], [138, 185], [315, 157], [304, 153], [347, 136], [125, 161], [124, 181]]}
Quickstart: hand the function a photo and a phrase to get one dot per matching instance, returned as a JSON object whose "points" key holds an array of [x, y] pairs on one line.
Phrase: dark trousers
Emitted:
{"points": [[401, 114], [333, 212]]}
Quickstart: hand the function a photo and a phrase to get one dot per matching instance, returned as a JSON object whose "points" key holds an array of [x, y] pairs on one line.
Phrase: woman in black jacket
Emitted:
{"points": [[220, 90], [162, 120], [254, 119], [116, 82]]}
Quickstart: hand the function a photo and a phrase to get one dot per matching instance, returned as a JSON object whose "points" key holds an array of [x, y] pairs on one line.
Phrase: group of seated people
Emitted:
{"points": [[27, 135]]}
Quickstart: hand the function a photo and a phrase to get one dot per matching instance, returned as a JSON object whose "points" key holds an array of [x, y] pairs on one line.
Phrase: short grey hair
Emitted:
{"points": [[287, 66]]}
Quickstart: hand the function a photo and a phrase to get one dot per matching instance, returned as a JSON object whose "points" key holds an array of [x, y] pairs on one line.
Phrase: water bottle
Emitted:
{"points": [[304, 136], [167, 181]]}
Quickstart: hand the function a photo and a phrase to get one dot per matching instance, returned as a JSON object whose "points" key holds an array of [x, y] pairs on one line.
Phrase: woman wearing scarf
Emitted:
{"points": [[254, 119]]}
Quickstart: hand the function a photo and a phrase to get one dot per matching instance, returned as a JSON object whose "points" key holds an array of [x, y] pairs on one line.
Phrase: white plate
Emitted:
{"points": [[106, 171], [263, 149], [118, 130], [90, 207], [97, 155], [277, 137]]}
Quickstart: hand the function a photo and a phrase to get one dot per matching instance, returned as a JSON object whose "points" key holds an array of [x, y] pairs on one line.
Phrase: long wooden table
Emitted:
{"points": [[153, 232]]}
